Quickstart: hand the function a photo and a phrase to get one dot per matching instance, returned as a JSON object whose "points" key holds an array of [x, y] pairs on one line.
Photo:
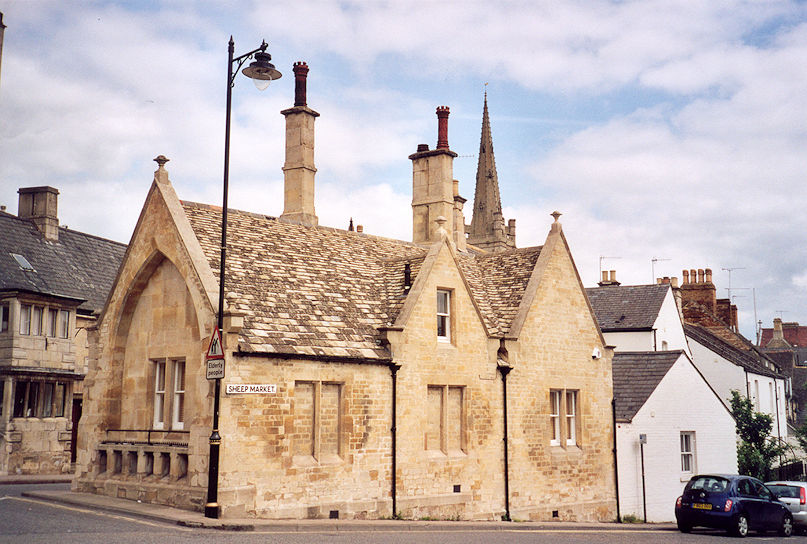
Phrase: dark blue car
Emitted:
{"points": [[734, 503]]}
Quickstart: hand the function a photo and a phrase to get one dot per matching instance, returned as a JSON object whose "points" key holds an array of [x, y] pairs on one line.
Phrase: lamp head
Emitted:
{"points": [[261, 71]]}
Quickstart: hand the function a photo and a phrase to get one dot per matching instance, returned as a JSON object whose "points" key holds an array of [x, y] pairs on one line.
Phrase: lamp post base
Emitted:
{"points": [[212, 510]]}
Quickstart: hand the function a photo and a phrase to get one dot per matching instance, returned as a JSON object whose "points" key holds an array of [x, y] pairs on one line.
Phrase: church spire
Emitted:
{"points": [[487, 229]]}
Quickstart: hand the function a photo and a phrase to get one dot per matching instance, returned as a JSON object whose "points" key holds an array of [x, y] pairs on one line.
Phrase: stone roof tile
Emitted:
{"points": [[77, 265], [326, 292]]}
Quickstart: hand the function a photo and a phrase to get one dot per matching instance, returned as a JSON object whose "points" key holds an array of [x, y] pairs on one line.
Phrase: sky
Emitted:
{"points": [[671, 134]]}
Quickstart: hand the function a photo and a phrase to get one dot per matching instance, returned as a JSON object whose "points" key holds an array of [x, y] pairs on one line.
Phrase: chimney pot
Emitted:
{"points": [[708, 275], [613, 275], [300, 76], [674, 282], [2, 208], [693, 275], [442, 127], [359, 228], [700, 275], [685, 274], [604, 275]]}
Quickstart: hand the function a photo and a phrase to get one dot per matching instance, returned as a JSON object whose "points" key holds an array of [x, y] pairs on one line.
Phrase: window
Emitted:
{"points": [[159, 394], [571, 418], [64, 323], [25, 319], [445, 425], [317, 420], [4, 317], [443, 315], [563, 417], [22, 262], [47, 399], [178, 419], [664, 345], [53, 319], [58, 399], [36, 320], [554, 417], [688, 451], [38, 399]]}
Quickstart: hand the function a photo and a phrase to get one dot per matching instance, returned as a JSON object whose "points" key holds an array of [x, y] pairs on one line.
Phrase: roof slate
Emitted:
{"points": [[319, 291], [627, 307], [636, 375], [77, 265], [733, 347]]}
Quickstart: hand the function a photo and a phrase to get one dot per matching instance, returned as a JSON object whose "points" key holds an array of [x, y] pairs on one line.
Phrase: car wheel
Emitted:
{"points": [[740, 527], [684, 528], [787, 526]]}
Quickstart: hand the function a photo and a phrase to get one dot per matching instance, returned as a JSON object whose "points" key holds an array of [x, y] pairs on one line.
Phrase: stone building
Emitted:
{"points": [[365, 377], [53, 284]]}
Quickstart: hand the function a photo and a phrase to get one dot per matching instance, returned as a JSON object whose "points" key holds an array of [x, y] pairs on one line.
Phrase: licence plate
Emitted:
{"points": [[701, 506]]}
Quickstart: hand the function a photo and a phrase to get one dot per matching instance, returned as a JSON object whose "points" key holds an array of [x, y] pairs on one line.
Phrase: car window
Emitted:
{"points": [[762, 491], [745, 488], [712, 484], [784, 491]]}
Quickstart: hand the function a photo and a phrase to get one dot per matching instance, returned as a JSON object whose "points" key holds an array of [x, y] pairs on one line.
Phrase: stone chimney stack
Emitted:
{"points": [[459, 218], [433, 187], [778, 340], [39, 205], [299, 170], [609, 279]]}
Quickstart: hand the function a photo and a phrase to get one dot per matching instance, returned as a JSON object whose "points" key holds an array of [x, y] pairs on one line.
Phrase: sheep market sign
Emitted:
{"points": [[251, 389]]}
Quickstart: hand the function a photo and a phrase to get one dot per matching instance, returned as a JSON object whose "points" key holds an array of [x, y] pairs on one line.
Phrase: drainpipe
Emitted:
{"points": [[616, 464], [504, 369], [394, 368], [778, 432]]}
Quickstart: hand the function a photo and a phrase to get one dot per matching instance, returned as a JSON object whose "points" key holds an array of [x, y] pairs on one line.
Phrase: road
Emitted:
{"points": [[31, 521]]}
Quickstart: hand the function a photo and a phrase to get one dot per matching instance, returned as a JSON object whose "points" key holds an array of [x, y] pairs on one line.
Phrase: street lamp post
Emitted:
{"points": [[262, 72]]}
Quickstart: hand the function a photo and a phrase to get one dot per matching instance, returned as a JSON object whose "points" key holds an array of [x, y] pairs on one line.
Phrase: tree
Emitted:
{"points": [[757, 449]]}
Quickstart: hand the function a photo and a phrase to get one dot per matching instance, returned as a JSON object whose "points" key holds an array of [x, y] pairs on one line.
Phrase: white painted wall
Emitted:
{"points": [[665, 414], [767, 400], [668, 326], [630, 341], [723, 375]]}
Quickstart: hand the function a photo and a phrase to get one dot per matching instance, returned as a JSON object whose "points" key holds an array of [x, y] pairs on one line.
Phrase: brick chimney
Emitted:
{"points": [[299, 170], [38, 204], [697, 287], [609, 279], [433, 187]]}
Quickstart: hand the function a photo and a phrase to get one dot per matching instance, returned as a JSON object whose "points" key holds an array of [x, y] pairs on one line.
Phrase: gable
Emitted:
{"points": [[636, 374], [629, 307]]}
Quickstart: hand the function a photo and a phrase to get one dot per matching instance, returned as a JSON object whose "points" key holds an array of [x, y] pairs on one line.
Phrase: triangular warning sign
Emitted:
{"points": [[215, 350]]}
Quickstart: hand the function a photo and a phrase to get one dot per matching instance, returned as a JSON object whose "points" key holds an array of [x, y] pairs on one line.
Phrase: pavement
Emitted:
{"points": [[166, 514]]}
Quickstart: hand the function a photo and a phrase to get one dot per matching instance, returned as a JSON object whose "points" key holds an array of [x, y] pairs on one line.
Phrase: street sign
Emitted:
{"points": [[251, 389], [215, 356]]}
